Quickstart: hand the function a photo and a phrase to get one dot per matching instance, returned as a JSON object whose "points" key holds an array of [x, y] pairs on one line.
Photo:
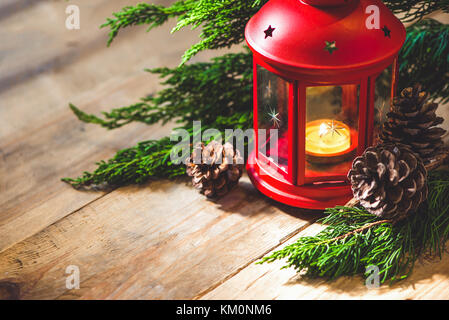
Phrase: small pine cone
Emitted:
{"points": [[389, 180], [411, 121], [215, 168]]}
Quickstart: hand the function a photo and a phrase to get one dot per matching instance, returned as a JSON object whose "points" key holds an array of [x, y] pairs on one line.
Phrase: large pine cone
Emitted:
{"points": [[215, 168], [389, 180], [412, 121]]}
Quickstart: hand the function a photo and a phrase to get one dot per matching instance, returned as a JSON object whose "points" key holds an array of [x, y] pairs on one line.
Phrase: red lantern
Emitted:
{"points": [[324, 73]]}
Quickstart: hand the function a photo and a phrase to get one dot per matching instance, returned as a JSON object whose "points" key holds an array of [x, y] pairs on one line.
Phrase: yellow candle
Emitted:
{"points": [[327, 137]]}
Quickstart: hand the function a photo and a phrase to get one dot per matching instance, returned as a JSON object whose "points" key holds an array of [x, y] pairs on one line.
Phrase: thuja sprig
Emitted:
{"points": [[132, 165], [218, 93], [425, 58], [144, 13], [412, 10], [209, 92], [393, 248], [222, 22]]}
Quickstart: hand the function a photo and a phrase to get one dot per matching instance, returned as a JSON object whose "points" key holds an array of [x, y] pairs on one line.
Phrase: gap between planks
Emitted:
{"points": [[123, 256], [19, 208], [280, 244]]}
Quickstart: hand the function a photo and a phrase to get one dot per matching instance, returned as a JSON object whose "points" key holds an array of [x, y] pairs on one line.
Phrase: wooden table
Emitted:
{"points": [[158, 241]]}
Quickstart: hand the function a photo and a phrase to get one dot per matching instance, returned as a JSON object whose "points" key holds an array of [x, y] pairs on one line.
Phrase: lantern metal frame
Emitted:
{"points": [[294, 187]]}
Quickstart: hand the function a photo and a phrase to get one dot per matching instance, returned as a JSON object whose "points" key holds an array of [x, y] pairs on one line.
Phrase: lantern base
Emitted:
{"points": [[313, 196]]}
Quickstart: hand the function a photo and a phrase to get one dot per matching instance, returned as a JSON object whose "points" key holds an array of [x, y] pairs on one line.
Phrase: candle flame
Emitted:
{"points": [[321, 140], [324, 128]]}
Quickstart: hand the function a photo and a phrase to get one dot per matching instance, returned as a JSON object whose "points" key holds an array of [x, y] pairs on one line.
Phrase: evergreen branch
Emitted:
{"points": [[211, 92], [361, 229], [147, 160], [218, 93], [133, 165], [144, 13], [117, 117], [223, 22], [411, 10], [424, 58], [341, 249]]}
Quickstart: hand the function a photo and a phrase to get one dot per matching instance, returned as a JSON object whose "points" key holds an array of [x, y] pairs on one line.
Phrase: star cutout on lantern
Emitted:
{"points": [[332, 128], [331, 46], [387, 32], [269, 32], [274, 117]]}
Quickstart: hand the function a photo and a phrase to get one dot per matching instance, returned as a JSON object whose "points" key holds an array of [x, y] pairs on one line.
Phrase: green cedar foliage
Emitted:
{"points": [[413, 10], [133, 165], [394, 249], [219, 93], [424, 58], [223, 22]]}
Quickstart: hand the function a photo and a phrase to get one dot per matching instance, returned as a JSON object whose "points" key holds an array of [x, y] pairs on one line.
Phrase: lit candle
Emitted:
{"points": [[327, 138]]}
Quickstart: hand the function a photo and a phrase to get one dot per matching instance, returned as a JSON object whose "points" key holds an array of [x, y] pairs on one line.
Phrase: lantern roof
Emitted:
{"points": [[325, 34]]}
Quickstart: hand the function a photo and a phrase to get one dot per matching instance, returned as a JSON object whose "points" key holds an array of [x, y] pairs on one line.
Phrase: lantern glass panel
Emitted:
{"points": [[272, 119], [331, 138], [382, 100]]}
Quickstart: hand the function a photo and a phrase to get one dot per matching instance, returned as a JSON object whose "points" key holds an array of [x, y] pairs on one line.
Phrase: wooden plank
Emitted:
{"points": [[10, 7], [65, 66], [32, 51], [430, 280], [131, 244], [31, 193], [41, 140]]}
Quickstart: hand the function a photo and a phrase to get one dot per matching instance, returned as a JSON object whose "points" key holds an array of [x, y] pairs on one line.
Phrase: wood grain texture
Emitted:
{"points": [[31, 193], [41, 140], [430, 280], [158, 241], [161, 241], [67, 65]]}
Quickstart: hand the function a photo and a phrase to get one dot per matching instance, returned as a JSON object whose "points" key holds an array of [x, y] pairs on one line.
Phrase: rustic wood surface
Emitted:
{"points": [[161, 240]]}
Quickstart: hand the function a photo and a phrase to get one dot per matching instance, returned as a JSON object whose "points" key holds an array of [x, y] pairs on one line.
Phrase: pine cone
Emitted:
{"points": [[411, 121], [389, 180], [215, 168]]}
